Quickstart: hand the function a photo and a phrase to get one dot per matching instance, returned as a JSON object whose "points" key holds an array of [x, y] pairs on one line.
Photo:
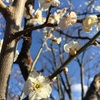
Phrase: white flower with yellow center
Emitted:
{"points": [[89, 22], [72, 47], [69, 20], [45, 4], [37, 86], [37, 19]]}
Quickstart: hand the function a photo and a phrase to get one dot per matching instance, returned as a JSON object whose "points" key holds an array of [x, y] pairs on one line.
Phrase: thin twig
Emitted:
{"points": [[38, 55], [72, 57], [33, 64]]}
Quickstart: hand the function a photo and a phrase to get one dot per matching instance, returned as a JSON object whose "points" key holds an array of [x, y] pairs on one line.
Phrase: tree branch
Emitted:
{"points": [[72, 57], [32, 29], [2, 7]]}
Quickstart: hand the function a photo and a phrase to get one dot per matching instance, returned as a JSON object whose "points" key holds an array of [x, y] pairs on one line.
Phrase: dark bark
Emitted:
{"points": [[93, 92], [7, 54], [24, 56]]}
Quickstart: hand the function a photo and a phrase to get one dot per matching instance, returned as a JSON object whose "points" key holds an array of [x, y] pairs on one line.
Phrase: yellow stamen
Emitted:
{"points": [[37, 15], [37, 86]]}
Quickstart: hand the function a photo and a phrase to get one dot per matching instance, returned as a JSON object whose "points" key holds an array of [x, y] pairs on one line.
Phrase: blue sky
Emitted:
{"points": [[16, 77]]}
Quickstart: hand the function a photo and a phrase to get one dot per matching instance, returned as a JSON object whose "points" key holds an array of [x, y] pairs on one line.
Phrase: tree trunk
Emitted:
{"points": [[13, 18]]}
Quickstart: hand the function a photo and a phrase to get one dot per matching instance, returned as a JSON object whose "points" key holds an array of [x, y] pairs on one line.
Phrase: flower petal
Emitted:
{"points": [[66, 48], [27, 87]]}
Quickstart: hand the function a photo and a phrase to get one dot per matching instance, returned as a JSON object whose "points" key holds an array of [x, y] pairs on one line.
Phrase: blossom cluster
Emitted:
{"points": [[61, 17]]}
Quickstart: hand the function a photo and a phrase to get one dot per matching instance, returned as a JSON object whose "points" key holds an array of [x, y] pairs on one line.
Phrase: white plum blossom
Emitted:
{"points": [[59, 14], [56, 40], [72, 47], [97, 8], [71, 17], [62, 11], [69, 20], [45, 4], [86, 29], [89, 22], [37, 19], [37, 86], [57, 17], [51, 19], [31, 11], [30, 21], [63, 24]]}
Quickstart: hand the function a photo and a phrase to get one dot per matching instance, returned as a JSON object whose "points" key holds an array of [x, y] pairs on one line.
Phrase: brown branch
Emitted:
{"points": [[47, 18], [93, 92], [68, 90], [69, 86], [2, 8], [73, 37], [82, 77], [59, 70], [24, 59], [58, 78], [17, 34]]}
